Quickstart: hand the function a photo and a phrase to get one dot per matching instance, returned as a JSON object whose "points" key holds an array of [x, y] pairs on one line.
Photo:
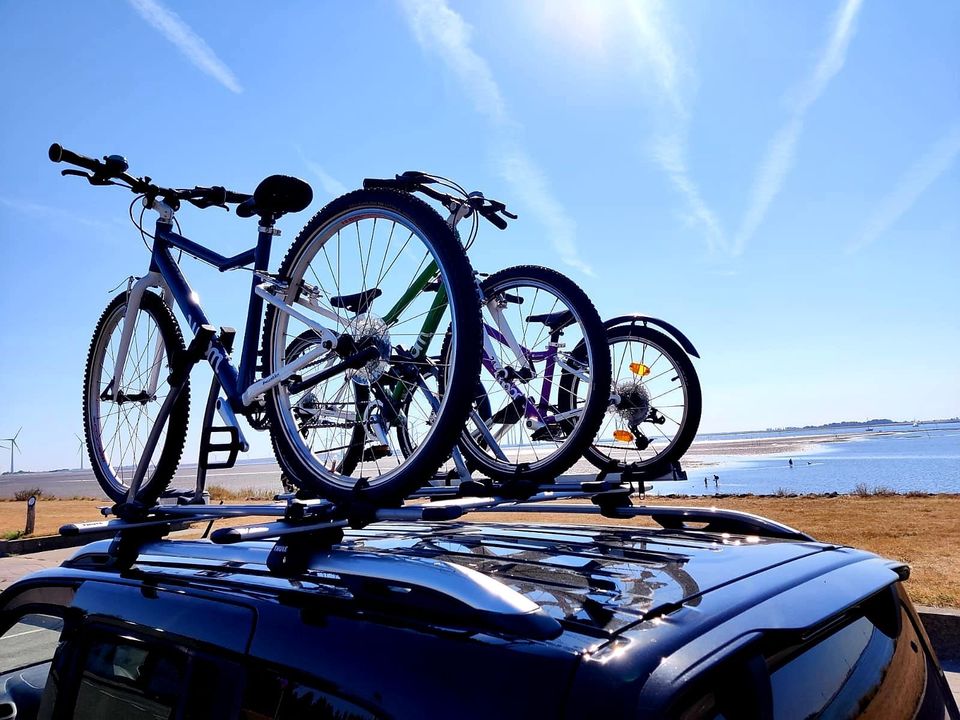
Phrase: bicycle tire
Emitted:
{"points": [[358, 473], [671, 374], [570, 439], [114, 461]]}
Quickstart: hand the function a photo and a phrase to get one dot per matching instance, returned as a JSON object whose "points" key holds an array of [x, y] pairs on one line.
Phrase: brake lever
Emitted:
{"points": [[499, 207], [414, 176], [78, 173]]}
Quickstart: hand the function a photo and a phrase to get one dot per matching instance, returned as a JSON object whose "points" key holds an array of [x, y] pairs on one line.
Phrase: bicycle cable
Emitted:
{"points": [[143, 233], [464, 196]]}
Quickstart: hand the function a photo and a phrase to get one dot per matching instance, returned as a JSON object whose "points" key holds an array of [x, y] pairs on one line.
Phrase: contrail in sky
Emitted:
{"points": [[441, 30], [782, 150], [921, 175], [330, 184], [670, 149], [169, 24]]}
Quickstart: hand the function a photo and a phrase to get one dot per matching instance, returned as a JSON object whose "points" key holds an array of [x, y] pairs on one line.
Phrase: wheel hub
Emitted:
{"points": [[368, 329], [634, 405]]}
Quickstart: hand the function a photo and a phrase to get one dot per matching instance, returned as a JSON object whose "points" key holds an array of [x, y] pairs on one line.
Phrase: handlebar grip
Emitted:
{"points": [[58, 153], [235, 197], [496, 220], [388, 184]]}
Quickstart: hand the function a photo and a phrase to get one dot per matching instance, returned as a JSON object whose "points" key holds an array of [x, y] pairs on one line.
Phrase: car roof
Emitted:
{"points": [[573, 585]]}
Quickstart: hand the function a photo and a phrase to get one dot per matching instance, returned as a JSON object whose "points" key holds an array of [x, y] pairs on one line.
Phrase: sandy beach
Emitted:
{"points": [[263, 475], [701, 452]]}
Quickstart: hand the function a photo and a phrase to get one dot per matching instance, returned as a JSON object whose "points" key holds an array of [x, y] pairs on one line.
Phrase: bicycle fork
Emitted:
{"points": [[135, 291]]}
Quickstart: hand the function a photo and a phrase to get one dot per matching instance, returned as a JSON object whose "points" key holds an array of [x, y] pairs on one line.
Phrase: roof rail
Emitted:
{"points": [[672, 518], [448, 590]]}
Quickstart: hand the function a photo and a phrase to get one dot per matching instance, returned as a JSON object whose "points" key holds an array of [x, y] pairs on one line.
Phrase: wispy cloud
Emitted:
{"points": [[782, 149], [330, 184], [530, 185], [670, 154], [921, 175], [441, 30], [672, 76], [652, 41], [54, 213], [169, 24]]}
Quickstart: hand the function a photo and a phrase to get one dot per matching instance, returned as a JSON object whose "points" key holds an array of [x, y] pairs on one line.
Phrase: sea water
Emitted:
{"points": [[902, 458]]}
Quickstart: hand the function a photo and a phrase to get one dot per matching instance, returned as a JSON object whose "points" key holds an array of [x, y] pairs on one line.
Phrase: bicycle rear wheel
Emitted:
{"points": [[658, 404], [116, 430], [381, 269], [532, 429]]}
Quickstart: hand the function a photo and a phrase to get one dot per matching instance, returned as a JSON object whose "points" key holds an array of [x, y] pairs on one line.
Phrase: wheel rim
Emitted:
{"points": [[117, 432], [366, 249], [539, 445], [651, 380]]}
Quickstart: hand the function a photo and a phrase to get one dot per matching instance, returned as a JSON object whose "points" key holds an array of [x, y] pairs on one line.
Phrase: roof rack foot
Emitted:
{"points": [[291, 557], [611, 501], [518, 489], [474, 488], [126, 544]]}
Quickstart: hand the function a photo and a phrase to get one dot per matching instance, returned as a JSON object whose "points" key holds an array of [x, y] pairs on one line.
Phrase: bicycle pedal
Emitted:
{"points": [[375, 452], [549, 433]]}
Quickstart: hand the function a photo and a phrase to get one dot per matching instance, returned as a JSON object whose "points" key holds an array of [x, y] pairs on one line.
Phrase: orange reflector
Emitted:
{"points": [[639, 369], [623, 435]]}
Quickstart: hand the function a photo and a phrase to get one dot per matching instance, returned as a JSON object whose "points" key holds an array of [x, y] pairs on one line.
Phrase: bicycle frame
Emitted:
{"points": [[532, 410], [536, 412], [239, 385]]}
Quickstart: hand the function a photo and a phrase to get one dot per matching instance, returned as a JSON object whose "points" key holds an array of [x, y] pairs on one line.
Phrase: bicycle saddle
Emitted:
{"points": [[358, 302], [554, 321], [277, 195]]}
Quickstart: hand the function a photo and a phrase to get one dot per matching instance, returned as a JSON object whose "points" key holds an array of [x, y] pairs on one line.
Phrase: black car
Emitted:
{"points": [[709, 616]]}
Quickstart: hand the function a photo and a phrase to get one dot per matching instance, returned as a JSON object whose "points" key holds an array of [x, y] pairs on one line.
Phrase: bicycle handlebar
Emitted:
{"points": [[414, 181], [114, 167], [58, 153]]}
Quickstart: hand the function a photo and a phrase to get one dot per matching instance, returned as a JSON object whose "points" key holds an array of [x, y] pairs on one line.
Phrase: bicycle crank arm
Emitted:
{"points": [[351, 362]]}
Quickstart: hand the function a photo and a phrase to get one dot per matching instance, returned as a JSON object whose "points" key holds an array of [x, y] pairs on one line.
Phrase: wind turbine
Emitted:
{"points": [[81, 448], [13, 444]]}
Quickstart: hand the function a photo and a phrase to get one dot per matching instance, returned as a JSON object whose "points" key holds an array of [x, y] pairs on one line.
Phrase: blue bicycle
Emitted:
{"points": [[330, 374]]}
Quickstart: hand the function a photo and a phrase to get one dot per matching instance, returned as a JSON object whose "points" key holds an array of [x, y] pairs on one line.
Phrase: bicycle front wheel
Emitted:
{"points": [[117, 425], [381, 270]]}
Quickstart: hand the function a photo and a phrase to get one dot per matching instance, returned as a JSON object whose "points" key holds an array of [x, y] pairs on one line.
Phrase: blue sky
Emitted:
{"points": [[779, 180]]}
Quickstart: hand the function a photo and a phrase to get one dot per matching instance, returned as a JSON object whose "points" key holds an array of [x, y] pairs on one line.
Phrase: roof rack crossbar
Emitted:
{"points": [[669, 517], [302, 527]]}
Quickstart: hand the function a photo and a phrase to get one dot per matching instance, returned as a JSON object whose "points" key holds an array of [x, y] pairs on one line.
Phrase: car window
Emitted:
{"points": [[860, 672], [124, 677], [275, 696], [31, 640], [873, 666]]}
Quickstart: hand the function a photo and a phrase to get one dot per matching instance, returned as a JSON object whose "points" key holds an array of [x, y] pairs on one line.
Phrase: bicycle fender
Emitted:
{"points": [[634, 318]]}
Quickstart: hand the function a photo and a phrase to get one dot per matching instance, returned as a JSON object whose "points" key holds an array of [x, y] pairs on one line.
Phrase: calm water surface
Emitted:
{"points": [[899, 457]]}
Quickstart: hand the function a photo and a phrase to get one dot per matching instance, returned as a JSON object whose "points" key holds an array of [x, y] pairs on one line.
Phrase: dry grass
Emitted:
{"points": [[921, 530]]}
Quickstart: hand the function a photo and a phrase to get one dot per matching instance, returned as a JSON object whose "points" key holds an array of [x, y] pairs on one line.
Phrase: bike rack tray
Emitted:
{"points": [[303, 527]]}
